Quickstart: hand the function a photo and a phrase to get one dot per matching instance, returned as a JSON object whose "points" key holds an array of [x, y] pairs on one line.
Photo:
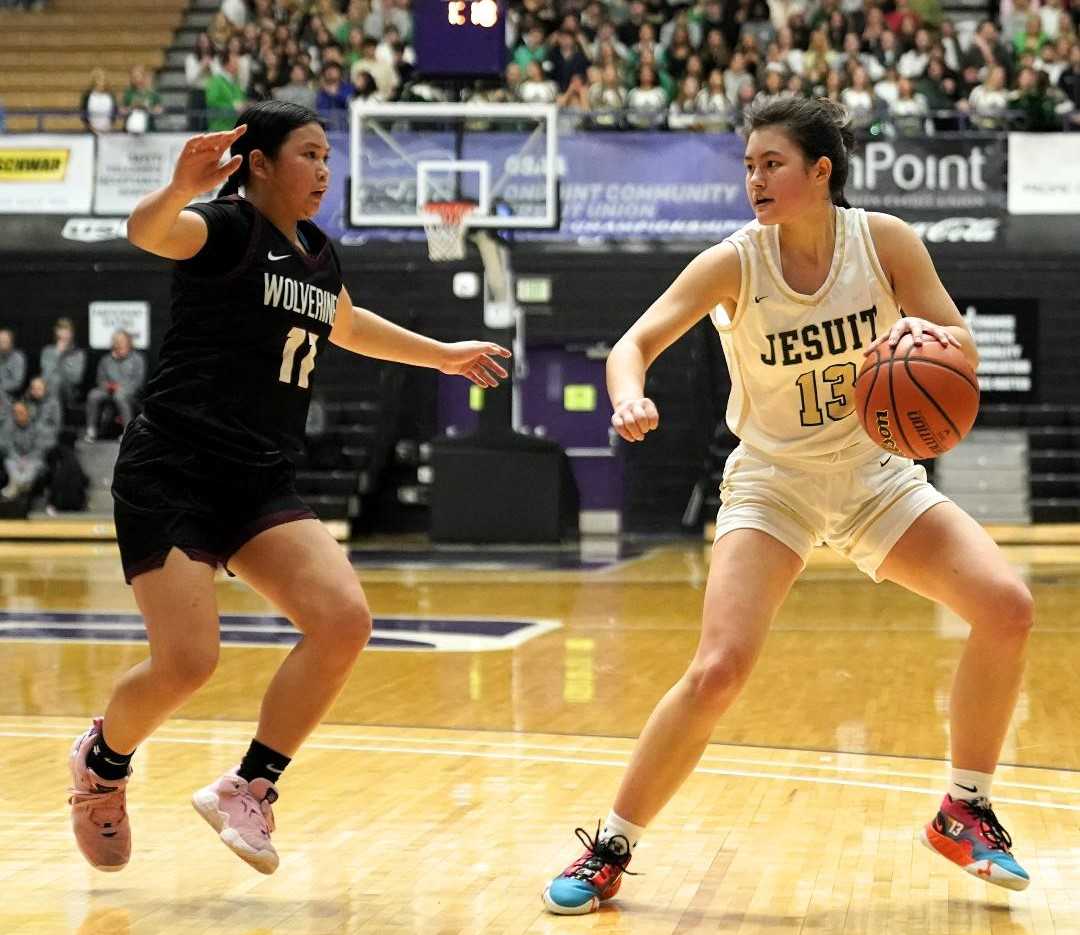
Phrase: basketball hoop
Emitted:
{"points": [[446, 236]]}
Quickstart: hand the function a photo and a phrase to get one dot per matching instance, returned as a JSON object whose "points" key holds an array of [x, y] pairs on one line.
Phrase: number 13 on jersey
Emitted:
{"points": [[840, 379], [293, 341]]}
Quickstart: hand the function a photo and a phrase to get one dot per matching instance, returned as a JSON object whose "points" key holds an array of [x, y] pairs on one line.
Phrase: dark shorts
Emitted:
{"points": [[166, 495]]}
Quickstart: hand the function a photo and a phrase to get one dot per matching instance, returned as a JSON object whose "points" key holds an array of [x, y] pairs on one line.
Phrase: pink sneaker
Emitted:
{"points": [[98, 809], [241, 814]]}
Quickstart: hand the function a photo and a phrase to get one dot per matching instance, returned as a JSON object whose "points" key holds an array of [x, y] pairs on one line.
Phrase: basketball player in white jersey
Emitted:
{"points": [[799, 296]]}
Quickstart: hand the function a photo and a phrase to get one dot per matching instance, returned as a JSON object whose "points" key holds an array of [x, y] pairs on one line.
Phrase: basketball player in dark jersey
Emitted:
{"points": [[203, 478]]}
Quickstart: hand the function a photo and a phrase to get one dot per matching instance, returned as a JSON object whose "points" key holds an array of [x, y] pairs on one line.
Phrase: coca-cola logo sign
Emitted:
{"points": [[958, 230]]}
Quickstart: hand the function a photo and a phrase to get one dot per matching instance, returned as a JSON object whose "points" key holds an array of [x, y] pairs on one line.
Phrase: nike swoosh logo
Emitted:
{"points": [[270, 256], [760, 298], [882, 464], [960, 785], [113, 762], [274, 769]]}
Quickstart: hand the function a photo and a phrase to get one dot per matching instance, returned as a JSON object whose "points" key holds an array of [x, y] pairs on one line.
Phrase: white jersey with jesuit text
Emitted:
{"points": [[793, 358]]}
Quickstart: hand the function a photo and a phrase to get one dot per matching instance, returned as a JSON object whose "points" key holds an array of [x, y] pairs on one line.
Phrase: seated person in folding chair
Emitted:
{"points": [[120, 378]]}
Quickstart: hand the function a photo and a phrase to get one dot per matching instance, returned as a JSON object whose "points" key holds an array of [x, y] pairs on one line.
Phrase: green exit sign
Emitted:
{"points": [[534, 289], [579, 397]]}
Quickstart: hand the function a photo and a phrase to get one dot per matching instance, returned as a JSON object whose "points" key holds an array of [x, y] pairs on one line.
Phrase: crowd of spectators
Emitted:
{"points": [[321, 54], [653, 64], [31, 412], [35, 411]]}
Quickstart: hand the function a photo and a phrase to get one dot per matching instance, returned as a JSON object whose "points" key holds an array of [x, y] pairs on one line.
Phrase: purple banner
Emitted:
{"points": [[624, 186], [618, 186]]}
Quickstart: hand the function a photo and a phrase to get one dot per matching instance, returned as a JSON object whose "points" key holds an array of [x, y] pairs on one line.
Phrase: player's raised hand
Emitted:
{"points": [[474, 360], [633, 419], [199, 167]]}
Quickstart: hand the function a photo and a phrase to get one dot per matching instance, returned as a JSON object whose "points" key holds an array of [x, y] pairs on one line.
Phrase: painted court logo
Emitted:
{"points": [[881, 416], [436, 634]]}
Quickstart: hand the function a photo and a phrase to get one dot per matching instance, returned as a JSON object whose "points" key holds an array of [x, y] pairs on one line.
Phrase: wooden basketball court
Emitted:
{"points": [[495, 713]]}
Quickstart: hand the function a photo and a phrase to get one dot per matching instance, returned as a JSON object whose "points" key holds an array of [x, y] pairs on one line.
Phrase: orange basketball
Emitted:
{"points": [[917, 402]]}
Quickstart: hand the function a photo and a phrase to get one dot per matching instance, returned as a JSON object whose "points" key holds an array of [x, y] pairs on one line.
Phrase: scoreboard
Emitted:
{"points": [[459, 38]]}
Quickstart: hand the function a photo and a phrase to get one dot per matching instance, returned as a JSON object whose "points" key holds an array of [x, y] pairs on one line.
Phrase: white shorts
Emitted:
{"points": [[861, 511]]}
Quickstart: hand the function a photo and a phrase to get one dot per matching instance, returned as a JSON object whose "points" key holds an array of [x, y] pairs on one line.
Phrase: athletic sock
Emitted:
{"points": [[260, 762], [106, 762], [969, 785], [614, 825]]}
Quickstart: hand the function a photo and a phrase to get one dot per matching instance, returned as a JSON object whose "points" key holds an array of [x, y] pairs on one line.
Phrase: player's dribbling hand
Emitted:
{"points": [[199, 167], [634, 418], [918, 328], [473, 360]]}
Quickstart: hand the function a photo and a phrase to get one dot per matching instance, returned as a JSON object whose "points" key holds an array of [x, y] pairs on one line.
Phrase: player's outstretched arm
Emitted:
{"points": [[709, 279], [363, 332], [928, 307], [159, 223]]}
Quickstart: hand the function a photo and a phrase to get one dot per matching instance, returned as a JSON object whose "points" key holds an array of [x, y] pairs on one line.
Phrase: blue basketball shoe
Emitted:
{"points": [[595, 876]]}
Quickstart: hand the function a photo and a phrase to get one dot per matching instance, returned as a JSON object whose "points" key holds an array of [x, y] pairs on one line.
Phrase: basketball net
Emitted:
{"points": [[446, 236]]}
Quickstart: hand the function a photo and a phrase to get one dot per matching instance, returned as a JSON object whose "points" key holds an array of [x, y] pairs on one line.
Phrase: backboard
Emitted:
{"points": [[502, 157]]}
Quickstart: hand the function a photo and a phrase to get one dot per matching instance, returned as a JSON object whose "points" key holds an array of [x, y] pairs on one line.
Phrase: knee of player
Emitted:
{"points": [[356, 625], [715, 676], [1017, 608], [345, 626], [187, 669], [1009, 609]]}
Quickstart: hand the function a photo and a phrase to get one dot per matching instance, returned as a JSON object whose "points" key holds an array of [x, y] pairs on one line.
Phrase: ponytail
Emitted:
{"points": [[233, 183]]}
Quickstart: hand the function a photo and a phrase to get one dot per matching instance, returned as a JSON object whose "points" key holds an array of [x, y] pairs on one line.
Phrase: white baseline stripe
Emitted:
{"points": [[710, 757], [243, 731], [580, 761]]}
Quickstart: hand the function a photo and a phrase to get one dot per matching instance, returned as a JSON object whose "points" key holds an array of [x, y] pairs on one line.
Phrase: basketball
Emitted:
{"points": [[918, 402]]}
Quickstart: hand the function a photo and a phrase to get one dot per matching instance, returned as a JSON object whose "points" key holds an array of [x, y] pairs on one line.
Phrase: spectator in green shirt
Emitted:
{"points": [[357, 17], [225, 98], [1032, 39], [141, 102], [1032, 102], [532, 49]]}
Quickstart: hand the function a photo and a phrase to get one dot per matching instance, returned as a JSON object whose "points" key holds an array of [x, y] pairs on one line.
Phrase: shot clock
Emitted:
{"points": [[460, 38]]}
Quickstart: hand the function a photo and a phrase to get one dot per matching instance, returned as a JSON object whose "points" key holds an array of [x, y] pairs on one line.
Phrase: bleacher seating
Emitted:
{"points": [[46, 56]]}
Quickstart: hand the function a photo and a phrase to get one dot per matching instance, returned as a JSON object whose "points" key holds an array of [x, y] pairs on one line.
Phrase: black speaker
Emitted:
{"points": [[510, 489]]}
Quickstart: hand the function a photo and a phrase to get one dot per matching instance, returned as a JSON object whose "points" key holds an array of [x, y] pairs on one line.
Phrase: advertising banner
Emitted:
{"points": [[108, 316], [46, 173], [914, 178], [1044, 173], [613, 186], [671, 186], [1006, 333], [629, 186], [130, 166]]}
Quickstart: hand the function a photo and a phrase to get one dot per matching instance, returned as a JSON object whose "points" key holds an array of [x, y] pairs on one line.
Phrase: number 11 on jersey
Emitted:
{"points": [[293, 340]]}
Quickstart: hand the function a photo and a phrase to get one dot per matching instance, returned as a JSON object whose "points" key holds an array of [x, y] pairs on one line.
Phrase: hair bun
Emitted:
{"points": [[841, 119]]}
